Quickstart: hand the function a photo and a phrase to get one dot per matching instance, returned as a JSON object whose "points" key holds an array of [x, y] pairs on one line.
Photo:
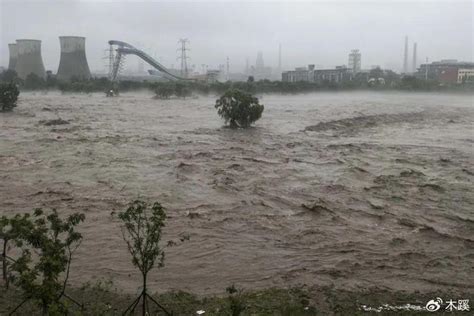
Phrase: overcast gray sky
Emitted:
{"points": [[316, 32]]}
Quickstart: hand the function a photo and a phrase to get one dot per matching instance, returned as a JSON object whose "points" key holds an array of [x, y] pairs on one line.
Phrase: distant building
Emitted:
{"points": [[310, 74], [465, 75], [445, 71], [297, 75], [338, 74], [355, 61], [212, 75], [260, 72]]}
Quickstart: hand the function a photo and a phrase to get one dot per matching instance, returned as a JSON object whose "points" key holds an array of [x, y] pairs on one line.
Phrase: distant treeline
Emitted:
{"points": [[182, 89]]}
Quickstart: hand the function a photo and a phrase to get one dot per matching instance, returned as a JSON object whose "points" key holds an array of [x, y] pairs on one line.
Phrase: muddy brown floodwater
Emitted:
{"points": [[349, 189]]}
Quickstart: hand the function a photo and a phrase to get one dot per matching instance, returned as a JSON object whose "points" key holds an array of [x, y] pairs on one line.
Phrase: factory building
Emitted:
{"points": [[448, 71], [466, 75], [73, 61], [13, 50], [299, 74], [310, 74], [29, 58], [339, 74]]}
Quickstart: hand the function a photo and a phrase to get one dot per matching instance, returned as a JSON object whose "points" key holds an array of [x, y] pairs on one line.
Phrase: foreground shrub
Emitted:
{"points": [[12, 231], [238, 108], [8, 96], [46, 243], [236, 300], [142, 228]]}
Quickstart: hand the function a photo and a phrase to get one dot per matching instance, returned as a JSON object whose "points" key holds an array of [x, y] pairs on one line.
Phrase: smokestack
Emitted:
{"points": [[279, 57], [414, 58], [13, 56], [73, 62], [405, 58], [29, 58]]}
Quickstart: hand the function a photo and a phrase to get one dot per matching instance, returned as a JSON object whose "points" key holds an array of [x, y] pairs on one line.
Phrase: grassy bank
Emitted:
{"points": [[104, 299]]}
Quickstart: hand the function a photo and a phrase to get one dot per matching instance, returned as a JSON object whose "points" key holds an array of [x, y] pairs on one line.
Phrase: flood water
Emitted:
{"points": [[350, 189]]}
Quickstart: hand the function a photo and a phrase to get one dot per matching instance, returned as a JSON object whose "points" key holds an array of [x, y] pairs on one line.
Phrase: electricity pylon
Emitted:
{"points": [[183, 57]]}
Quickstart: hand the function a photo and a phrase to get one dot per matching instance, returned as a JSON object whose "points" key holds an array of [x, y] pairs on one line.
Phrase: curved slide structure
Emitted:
{"points": [[127, 49]]}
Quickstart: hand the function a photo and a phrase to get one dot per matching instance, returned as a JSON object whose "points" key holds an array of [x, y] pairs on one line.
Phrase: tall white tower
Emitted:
{"points": [[405, 57], [414, 62]]}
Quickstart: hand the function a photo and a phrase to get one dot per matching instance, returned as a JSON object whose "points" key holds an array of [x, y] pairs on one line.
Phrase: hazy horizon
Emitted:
{"points": [[319, 32]]}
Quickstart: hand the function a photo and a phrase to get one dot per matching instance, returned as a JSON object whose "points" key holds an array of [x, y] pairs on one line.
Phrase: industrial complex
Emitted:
{"points": [[444, 71], [25, 59]]}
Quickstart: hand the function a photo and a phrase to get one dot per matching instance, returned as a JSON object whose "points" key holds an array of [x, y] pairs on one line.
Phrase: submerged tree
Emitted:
{"points": [[181, 90], [9, 75], [8, 96], [164, 90], [141, 230], [34, 82], [238, 108]]}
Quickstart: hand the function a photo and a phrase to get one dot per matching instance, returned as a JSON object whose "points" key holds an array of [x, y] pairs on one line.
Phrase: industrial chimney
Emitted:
{"points": [[29, 58], [13, 56], [405, 57], [414, 58], [73, 62]]}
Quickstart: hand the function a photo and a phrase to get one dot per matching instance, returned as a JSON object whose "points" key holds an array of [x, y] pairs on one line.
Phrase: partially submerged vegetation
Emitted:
{"points": [[8, 96], [166, 90], [238, 108]]}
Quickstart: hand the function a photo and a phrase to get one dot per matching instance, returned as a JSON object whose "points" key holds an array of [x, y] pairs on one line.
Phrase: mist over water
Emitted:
{"points": [[350, 189]]}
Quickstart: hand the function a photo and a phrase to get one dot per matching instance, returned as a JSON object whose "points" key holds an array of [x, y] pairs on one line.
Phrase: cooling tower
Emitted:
{"points": [[29, 58], [73, 62], [13, 56]]}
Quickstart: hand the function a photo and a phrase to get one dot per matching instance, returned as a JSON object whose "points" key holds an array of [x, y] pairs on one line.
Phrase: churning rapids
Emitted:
{"points": [[351, 189]]}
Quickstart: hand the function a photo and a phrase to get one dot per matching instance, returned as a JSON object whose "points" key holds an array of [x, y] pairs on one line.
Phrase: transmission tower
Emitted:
{"points": [[108, 60], [111, 60], [183, 57]]}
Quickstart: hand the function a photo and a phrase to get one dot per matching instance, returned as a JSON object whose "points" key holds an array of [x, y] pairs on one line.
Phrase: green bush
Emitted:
{"points": [[164, 90], [181, 90], [46, 244], [9, 76], [34, 82], [238, 108], [8, 96]]}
